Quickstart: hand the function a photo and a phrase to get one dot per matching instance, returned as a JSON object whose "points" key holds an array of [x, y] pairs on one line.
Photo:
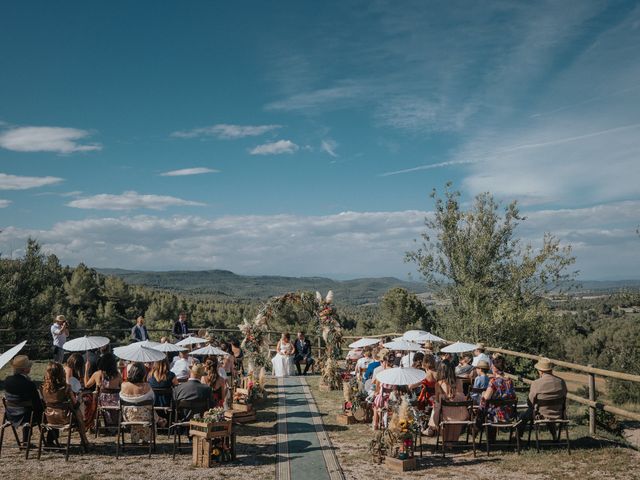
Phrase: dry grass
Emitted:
{"points": [[606, 458]]}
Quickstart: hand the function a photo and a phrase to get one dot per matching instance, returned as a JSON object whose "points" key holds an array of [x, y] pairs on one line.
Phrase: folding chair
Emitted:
{"points": [[101, 409], [468, 404], [552, 424], [512, 426], [18, 408], [184, 411], [70, 425], [164, 412], [123, 424]]}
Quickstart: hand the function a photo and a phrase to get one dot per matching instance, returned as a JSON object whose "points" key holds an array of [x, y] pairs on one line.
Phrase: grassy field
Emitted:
{"points": [[607, 457]]}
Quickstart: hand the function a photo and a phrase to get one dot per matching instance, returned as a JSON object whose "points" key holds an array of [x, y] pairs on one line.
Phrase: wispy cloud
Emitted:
{"points": [[275, 148], [329, 146], [337, 95], [16, 182], [226, 131], [46, 139], [189, 171], [4, 203], [428, 167], [130, 201]]}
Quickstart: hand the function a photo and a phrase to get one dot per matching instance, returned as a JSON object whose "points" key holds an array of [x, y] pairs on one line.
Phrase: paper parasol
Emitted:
{"points": [[403, 345], [168, 347], [138, 353], [428, 337], [191, 341], [82, 344], [7, 356], [363, 342], [459, 347], [208, 350], [401, 376]]}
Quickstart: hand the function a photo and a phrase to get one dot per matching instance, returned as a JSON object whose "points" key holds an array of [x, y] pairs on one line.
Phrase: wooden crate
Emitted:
{"points": [[345, 419], [398, 465], [242, 407], [210, 430], [201, 448]]}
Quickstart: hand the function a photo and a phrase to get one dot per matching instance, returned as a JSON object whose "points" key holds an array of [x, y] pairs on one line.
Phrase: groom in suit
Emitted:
{"points": [[302, 352]]}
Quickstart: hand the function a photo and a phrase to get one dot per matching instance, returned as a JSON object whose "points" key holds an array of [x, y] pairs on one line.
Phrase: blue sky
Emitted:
{"points": [[303, 138]]}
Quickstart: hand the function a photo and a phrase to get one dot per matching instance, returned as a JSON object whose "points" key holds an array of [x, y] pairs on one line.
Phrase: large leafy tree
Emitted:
{"points": [[401, 310], [495, 283]]}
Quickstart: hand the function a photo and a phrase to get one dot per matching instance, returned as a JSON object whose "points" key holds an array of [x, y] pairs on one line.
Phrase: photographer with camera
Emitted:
{"points": [[59, 332]]}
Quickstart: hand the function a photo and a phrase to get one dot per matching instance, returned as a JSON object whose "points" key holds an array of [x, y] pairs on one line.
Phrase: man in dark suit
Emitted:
{"points": [[139, 331], [302, 348], [193, 389], [181, 328], [22, 391]]}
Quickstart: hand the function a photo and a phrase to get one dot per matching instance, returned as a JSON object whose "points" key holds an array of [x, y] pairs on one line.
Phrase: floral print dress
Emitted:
{"points": [[502, 389]]}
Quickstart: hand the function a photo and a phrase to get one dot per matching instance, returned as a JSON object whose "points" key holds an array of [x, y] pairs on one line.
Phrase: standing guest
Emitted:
{"points": [[181, 328], [137, 390], [481, 381], [500, 388], [139, 331], [382, 391], [464, 368], [106, 376], [448, 388], [216, 382], [238, 356], [59, 332], [302, 348], [478, 354], [20, 389]]}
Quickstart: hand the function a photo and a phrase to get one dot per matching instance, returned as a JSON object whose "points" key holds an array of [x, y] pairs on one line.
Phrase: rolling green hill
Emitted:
{"points": [[223, 284]]}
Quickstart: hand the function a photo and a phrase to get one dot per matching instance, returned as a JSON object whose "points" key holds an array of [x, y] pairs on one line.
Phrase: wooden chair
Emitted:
{"points": [[101, 409], [148, 424], [555, 426], [165, 411], [468, 404], [6, 423], [70, 425], [184, 411], [511, 426]]}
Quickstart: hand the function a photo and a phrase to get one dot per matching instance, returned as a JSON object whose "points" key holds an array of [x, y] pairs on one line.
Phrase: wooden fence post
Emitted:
{"points": [[592, 409]]}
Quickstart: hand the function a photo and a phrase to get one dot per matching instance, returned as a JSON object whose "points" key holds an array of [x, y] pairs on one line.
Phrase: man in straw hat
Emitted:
{"points": [[478, 355], [20, 389], [59, 332], [547, 387]]}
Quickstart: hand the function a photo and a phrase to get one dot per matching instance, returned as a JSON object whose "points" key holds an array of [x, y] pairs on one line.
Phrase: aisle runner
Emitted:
{"points": [[304, 448]]}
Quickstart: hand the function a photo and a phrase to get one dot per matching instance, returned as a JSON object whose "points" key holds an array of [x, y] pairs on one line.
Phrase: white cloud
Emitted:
{"points": [[339, 95], [275, 148], [226, 131], [4, 203], [16, 182], [603, 237], [428, 167], [46, 139], [329, 146], [130, 201], [189, 171]]}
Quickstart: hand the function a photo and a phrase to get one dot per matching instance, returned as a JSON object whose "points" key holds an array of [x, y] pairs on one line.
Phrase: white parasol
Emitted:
{"points": [[428, 337], [191, 341], [208, 350], [459, 347], [363, 342], [7, 356], [411, 335], [83, 344], [401, 376], [399, 339], [403, 345], [168, 347], [138, 353], [149, 343]]}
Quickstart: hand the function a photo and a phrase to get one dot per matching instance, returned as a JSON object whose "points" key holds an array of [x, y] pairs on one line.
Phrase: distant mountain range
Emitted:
{"points": [[224, 284]]}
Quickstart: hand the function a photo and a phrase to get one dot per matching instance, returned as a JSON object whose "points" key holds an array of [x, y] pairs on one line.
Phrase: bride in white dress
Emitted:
{"points": [[283, 360]]}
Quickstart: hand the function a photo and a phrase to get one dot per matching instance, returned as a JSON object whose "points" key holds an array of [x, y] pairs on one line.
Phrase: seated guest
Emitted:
{"points": [[302, 347], [464, 368], [481, 381], [547, 387], [238, 356], [382, 391], [448, 388], [55, 391], [74, 373], [19, 388], [372, 366], [106, 376], [418, 358], [161, 377], [181, 365], [444, 357], [427, 386], [137, 390], [500, 388], [216, 382], [192, 389], [407, 360], [478, 354], [364, 362]]}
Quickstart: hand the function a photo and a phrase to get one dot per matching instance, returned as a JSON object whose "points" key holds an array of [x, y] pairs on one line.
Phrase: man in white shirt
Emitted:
{"points": [[59, 332], [180, 366], [364, 362], [479, 355], [407, 360]]}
